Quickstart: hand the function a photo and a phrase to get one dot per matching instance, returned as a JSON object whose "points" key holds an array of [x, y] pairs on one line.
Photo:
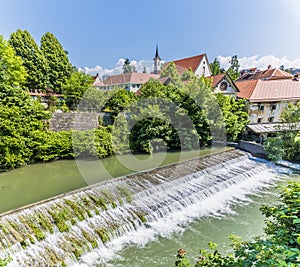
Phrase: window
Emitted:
{"points": [[271, 119], [259, 120], [273, 107], [261, 107]]}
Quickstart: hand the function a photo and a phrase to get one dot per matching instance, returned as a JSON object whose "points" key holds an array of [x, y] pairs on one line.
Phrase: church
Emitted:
{"points": [[199, 64]]}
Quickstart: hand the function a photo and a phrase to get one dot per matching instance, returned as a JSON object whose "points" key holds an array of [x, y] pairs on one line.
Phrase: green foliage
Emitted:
{"points": [[119, 101], [215, 67], [75, 87], [171, 71], [233, 70], [12, 72], [4, 262], [234, 116], [279, 247], [187, 75], [127, 67], [34, 61], [285, 144], [60, 68]]}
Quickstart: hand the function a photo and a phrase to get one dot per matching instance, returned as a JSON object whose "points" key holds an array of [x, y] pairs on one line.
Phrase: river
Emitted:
{"points": [[234, 212], [40, 181]]}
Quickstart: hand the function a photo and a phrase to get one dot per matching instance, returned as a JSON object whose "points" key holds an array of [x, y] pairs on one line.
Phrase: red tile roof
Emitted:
{"points": [[246, 88], [190, 62], [270, 74], [133, 77], [216, 79], [276, 90]]}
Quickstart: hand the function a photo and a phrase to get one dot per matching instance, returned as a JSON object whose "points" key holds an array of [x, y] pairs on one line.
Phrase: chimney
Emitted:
{"points": [[296, 77], [269, 67]]}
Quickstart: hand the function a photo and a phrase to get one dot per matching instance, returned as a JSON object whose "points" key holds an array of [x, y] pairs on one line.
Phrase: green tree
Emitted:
{"points": [[127, 67], [75, 87], [12, 72], [187, 75], [233, 70], [60, 68], [171, 71], [33, 59], [215, 67], [4, 262], [119, 101], [234, 116], [285, 144]]}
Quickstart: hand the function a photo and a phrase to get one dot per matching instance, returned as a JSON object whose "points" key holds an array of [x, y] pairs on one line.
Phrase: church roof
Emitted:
{"points": [[190, 62]]}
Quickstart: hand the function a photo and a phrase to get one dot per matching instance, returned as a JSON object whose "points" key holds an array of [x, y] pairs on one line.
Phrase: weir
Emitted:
{"points": [[57, 232]]}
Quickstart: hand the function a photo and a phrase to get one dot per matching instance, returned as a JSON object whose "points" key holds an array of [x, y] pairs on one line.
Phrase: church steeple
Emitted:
{"points": [[156, 62]]}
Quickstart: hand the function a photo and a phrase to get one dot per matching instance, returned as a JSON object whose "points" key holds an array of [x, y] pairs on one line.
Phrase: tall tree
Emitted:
{"points": [[233, 70], [127, 67], [171, 71], [33, 59], [215, 67], [60, 67], [12, 72]]}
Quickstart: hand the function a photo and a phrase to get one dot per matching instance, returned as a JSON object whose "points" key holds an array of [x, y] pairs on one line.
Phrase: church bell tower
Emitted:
{"points": [[156, 60]]}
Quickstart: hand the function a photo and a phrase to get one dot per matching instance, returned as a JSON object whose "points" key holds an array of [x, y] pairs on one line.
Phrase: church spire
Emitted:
{"points": [[156, 62]]}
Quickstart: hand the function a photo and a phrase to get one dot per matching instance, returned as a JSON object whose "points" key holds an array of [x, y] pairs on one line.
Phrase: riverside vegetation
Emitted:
{"points": [[24, 134], [25, 137], [279, 247]]}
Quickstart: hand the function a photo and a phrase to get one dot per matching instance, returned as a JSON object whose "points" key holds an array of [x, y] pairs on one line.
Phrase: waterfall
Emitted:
{"points": [[132, 209]]}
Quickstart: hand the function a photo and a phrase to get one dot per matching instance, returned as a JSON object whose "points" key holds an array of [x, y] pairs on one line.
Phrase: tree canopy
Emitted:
{"points": [[286, 143], [60, 68], [12, 72], [233, 70], [34, 60]]}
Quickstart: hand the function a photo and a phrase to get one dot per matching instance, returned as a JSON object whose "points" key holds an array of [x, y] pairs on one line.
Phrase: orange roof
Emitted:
{"points": [[276, 90], [216, 78], [190, 62], [266, 74], [245, 88], [186, 63], [125, 78]]}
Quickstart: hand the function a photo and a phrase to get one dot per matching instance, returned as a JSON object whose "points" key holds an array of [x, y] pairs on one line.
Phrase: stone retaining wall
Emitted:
{"points": [[61, 121], [254, 148]]}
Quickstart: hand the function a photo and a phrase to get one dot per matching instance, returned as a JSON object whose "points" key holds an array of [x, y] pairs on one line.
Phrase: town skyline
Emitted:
{"points": [[102, 34]]}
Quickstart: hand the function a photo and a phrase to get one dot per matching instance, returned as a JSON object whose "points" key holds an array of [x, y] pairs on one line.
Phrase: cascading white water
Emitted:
{"points": [[104, 218]]}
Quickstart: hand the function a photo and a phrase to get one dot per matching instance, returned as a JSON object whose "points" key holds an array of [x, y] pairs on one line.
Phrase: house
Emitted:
{"points": [[266, 99], [131, 81], [222, 83], [47, 97], [198, 64], [268, 74], [97, 81]]}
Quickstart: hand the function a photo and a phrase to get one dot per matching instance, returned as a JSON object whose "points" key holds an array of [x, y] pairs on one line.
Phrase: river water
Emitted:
{"points": [[241, 217], [37, 182]]}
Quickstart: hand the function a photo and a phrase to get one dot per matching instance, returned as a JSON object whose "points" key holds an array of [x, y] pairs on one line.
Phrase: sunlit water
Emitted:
{"points": [[37, 182], [242, 218], [232, 213]]}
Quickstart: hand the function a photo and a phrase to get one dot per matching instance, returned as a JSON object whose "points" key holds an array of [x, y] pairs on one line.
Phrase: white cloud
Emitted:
{"points": [[139, 65], [260, 62], [245, 63]]}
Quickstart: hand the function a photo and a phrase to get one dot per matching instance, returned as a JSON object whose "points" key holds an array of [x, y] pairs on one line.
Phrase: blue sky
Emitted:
{"points": [[102, 32]]}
